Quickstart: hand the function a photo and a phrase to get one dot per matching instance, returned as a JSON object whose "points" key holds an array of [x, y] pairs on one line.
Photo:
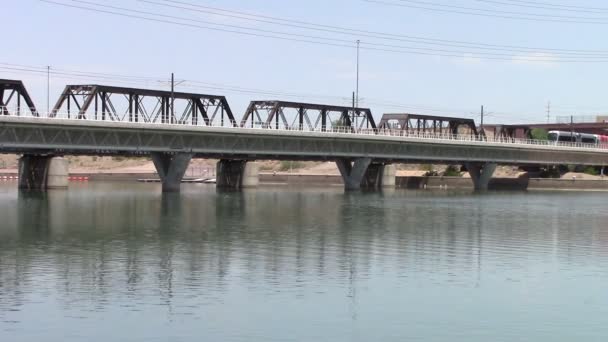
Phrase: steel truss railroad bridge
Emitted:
{"points": [[173, 128]]}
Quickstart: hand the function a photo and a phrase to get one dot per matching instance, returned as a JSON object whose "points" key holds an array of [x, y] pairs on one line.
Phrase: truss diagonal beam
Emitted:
{"points": [[273, 114], [12, 102], [108, 103], [419, 123]]}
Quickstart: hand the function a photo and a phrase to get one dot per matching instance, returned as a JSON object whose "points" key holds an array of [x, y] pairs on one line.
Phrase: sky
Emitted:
{"points": [[196, 40]]}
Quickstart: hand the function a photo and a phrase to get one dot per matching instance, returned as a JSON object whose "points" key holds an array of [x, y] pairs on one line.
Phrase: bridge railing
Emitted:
{"points": [[468, 138]]}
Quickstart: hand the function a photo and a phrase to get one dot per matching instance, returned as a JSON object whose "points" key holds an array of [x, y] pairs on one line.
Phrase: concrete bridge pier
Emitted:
{"points": [[237, 174], [481, 173], [171, 169], [42, 172], [379, 176], [353, 172], [362, 173]]}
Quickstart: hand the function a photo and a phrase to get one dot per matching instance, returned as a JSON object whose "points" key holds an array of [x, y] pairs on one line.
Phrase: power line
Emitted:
{"points": [[553, 16], [545, 6], [336, 42], [345, 42], [358, 32], [188, 25], [444, 8], [561, 6]]}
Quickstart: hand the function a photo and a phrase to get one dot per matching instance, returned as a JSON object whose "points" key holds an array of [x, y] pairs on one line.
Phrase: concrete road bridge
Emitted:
{"points": [[151, 123]]}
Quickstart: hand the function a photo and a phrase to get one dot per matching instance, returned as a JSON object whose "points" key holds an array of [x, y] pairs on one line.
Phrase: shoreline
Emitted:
{"points": [[402, 182]]}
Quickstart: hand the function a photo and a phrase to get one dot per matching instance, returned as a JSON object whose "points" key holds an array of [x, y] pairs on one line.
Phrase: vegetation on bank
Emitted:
{"points": [[452, 171], [287, 165]]}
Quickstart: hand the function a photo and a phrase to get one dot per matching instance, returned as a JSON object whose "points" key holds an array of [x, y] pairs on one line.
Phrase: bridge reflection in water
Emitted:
{"points": [[124, 258]]}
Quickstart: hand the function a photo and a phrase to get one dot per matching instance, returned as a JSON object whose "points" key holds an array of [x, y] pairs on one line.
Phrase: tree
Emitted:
{"points": [[341, 122], [539, 134]]}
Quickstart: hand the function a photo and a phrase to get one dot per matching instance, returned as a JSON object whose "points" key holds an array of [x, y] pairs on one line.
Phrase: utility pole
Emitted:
{"points": [[482, 132], [482, 117], [548, 112], [353, 118], [48, 89], [572, 139], [357, 88], [482, 114], [172, 97]]}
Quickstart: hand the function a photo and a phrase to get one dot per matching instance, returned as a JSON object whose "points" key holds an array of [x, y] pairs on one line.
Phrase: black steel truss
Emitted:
{"points": [[305, 116], [12, 96], [110, 103], [419, 123]]}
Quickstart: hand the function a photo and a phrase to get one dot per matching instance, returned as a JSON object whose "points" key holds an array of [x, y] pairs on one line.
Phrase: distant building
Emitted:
{"points": [[601, 118]]}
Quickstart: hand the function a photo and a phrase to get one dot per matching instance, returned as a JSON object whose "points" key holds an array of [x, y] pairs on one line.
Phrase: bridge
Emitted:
{"points": [[174, 128]]}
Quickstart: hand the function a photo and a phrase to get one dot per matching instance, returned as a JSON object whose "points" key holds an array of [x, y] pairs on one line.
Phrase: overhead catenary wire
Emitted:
{"points": [[148, 82], [163, 18], [133, 80]]}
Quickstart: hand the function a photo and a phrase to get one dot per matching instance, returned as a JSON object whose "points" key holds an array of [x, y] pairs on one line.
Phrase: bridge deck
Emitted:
{"points": [[73, 136]]}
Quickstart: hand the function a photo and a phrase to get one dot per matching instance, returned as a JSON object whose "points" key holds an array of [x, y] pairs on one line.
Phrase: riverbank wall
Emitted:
{"points": [[402, 182], [419, 182]]}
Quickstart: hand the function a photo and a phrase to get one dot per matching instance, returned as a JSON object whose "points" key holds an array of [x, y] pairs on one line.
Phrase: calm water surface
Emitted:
{"points": [[121, 262]]}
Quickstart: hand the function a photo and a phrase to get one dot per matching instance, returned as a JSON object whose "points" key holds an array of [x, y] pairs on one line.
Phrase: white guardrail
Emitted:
{"points": [[111, 117]]}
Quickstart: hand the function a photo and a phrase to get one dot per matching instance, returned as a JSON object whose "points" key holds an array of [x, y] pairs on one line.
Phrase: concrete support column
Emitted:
{"points": [[481, 173], [379, 176], [389, 176], [33, 172], [57, 174], [171, 169], [353, 172], [42, 172], [372, 179], [251, 175], [237, 174]]}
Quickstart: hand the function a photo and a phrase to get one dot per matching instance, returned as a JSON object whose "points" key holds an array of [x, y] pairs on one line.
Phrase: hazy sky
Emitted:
{"points": [[244, 67]]}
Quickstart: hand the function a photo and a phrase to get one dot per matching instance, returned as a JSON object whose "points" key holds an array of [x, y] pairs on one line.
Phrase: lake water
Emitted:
{"points": [[122, 262]]}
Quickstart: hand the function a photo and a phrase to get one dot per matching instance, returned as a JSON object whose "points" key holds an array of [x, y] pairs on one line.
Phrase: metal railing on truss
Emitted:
{"points": [[297, 129]]}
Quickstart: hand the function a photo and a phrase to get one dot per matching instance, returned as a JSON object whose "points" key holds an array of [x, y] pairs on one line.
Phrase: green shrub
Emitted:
{"points": [[287, 165], [591, 170], [266, 167], [340, 123], [426, 167], [552, 172], [452, 171]]}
